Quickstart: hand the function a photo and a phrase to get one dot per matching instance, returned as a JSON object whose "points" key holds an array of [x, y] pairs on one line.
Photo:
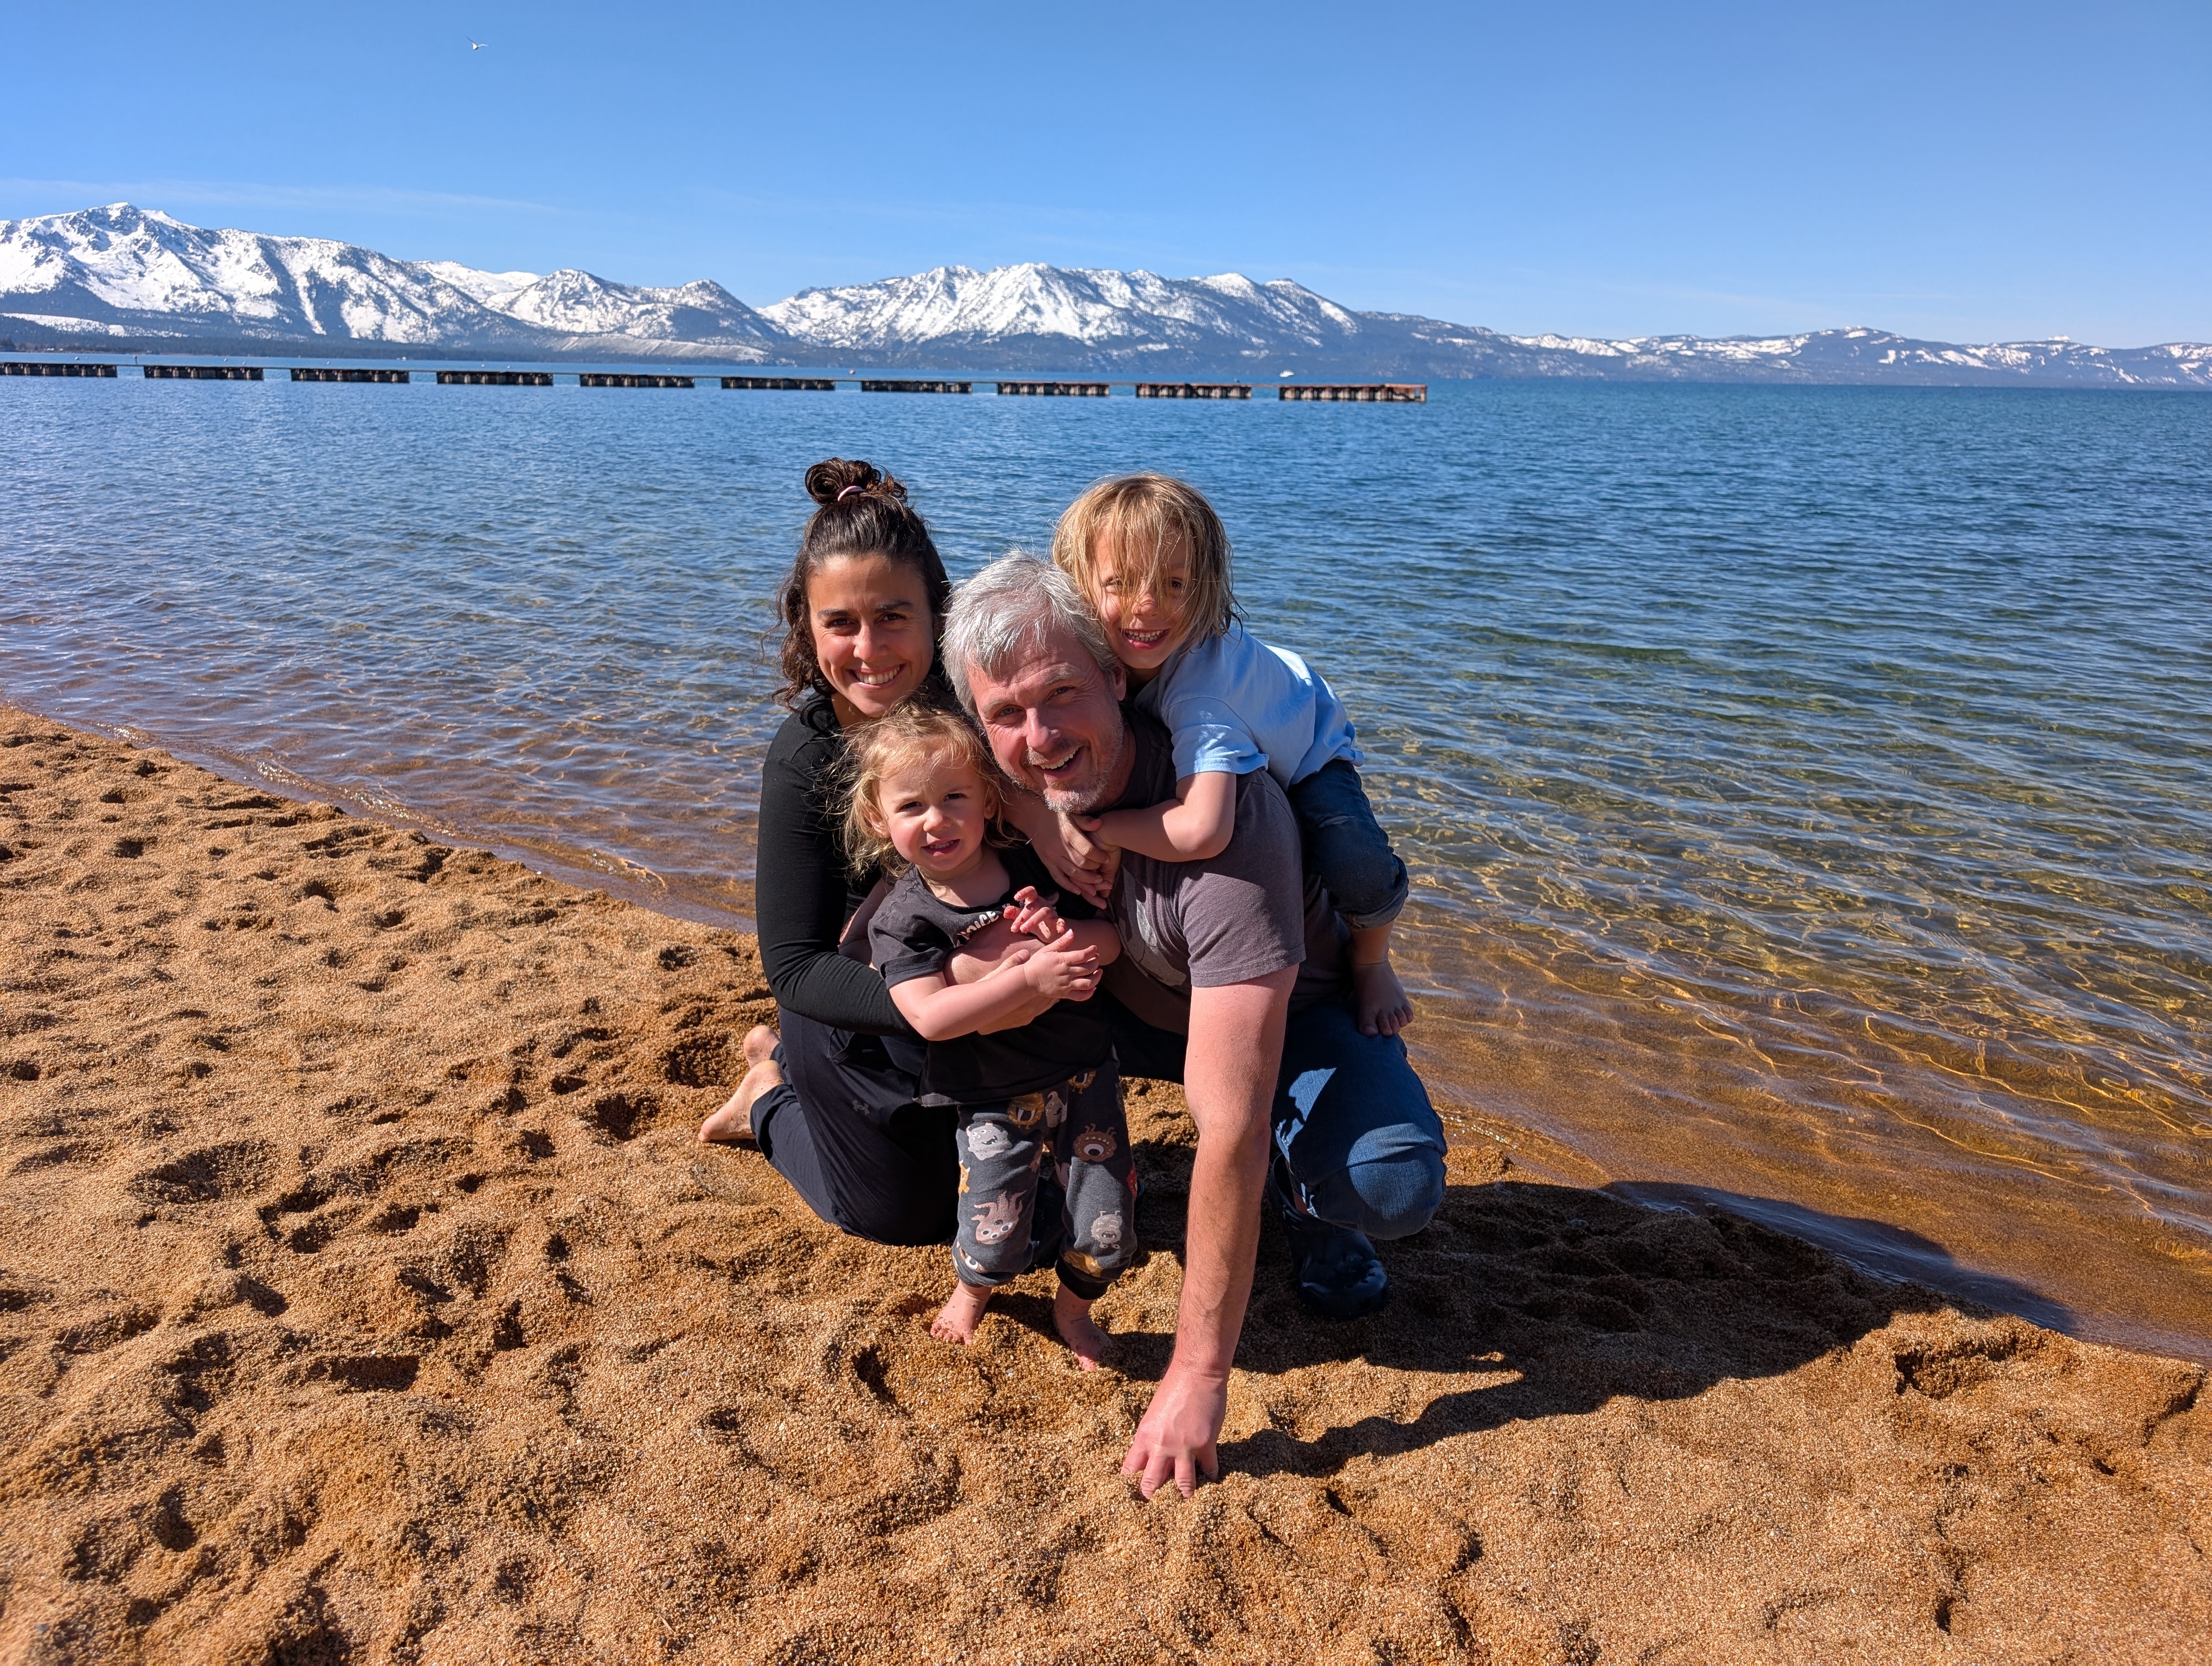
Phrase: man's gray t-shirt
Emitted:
{"points": [[1249, 912]]}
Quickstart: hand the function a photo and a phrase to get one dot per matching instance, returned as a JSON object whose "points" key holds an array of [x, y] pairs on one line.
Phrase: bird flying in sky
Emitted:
{"points": [[475, 45]]}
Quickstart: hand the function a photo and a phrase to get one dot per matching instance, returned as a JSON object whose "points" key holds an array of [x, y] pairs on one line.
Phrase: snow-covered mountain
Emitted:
{"points": [[574, 303], [134, 275], [1846, 357], [1036, 317], [577, 304], [122, 271], [492, 288], [127, 276], [958, 307]]}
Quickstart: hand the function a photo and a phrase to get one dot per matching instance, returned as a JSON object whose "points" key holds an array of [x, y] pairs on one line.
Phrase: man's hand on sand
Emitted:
{"points": [[1176, 1440]]}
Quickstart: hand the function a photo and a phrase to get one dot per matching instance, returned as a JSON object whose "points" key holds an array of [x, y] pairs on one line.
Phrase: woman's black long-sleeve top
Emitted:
{"points": [[805, 892]]}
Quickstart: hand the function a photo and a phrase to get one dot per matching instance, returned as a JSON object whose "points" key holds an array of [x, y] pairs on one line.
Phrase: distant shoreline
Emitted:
{"points": [[122, 279], [683, 362]]}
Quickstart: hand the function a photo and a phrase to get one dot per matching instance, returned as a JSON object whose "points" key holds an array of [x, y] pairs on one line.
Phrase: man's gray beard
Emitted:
{"points": [[1101, 781]]}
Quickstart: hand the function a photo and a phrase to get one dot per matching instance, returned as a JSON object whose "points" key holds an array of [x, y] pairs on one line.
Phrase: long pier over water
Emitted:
{"points": [[384, 371]]}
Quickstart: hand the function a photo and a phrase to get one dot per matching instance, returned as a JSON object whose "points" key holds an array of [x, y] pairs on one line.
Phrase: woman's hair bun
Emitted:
{"points": [[829, 480]]}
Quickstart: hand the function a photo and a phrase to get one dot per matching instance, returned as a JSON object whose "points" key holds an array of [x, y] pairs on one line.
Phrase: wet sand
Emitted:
{"points": [[364, 1297]]}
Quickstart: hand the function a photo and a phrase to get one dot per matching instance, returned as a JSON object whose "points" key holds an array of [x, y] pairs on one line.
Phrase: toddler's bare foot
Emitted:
{"points": [[734, 1121], [956, 1320], [1071, 1317], [1383, 1007]]}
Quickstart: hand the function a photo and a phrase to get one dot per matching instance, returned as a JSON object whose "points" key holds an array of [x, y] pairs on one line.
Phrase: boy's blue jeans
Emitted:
{"points": [[1345, 848], [1358, 1143]]}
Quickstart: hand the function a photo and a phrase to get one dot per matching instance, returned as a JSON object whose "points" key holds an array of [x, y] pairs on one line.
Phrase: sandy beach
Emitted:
{"points": [[364, 1297]]}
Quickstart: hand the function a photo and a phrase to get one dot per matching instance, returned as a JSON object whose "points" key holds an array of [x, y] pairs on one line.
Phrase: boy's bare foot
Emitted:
{"points": [[734, 1121], [1383, 1007], [956, 1320], [1071, 1317]]}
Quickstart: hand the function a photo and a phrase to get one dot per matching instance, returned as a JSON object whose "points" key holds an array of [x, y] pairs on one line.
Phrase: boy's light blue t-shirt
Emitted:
{"points": [[1236, 704]]}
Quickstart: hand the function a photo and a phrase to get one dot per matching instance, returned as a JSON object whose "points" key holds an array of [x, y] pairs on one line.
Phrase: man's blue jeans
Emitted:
{"points": [[1362, 1146]]}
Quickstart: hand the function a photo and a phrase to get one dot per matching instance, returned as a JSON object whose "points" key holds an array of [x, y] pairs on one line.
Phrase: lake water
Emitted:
{"points": [[1809, 791]]}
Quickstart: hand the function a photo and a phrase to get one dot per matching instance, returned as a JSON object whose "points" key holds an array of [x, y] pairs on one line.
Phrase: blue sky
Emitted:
{"points": [[1969, 172]]}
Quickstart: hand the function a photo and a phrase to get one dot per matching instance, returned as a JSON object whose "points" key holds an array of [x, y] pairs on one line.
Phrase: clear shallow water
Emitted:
{"points": [[1807, 789]]}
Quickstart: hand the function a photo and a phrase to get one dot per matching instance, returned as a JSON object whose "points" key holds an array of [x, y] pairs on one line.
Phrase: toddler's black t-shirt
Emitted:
{"points": [[914, 933]]}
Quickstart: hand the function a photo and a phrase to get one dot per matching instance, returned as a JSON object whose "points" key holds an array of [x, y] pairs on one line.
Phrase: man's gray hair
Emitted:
{"points": [[1009, 610]]}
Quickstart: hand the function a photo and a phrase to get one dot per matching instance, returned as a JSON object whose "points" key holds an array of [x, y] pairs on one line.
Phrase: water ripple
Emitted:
{"points": [[1806, 790]]}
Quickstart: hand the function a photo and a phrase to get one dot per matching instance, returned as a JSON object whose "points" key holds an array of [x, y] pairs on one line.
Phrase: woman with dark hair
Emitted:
{"points": [[833, 1104]]}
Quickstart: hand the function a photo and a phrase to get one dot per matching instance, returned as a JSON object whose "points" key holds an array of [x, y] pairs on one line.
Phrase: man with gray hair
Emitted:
{"points": [[1332, 1127]]}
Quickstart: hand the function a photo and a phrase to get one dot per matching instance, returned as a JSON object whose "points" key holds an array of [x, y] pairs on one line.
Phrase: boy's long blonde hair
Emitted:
{"points": [[915, 730], [1147, 516]]}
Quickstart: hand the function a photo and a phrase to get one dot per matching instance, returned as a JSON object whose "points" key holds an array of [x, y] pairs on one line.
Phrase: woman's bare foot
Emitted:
{"points": [[1381, 1000], [1071, 1317], [956, 1320], [734, 1121]]}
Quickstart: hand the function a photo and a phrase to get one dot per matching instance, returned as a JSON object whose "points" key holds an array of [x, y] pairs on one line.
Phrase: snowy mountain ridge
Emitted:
{"points": [[1038, 317], [121, 277], [492, 288], [1096, 308], [130, 273]]}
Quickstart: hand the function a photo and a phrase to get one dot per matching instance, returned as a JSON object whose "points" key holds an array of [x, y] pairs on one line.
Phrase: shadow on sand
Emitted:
{"points": [[1546, 1300], [1872, 1246]]}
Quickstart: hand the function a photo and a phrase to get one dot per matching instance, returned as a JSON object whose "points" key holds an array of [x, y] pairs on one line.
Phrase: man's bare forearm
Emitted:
{"points": [[1220, 1246], [1229, 1078], [1235, 1049]]}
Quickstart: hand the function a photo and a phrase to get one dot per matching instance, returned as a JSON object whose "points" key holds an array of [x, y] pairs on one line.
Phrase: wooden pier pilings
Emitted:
{"points": [[1314, 393], [629, 378], [1380, 394], [314, 374], [1194, 390]]}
